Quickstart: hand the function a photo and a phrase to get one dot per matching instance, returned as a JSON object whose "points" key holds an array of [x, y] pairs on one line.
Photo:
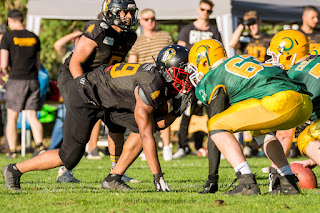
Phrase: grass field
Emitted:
{"points": [[40, 192]]}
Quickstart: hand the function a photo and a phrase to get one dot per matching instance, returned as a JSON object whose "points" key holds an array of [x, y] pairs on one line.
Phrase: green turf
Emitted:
{"points": [[40, 192]]}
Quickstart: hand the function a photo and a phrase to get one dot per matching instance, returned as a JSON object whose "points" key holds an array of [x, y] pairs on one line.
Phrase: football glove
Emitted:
{"points": [[160, 184], [250, 21], [181, 102]]}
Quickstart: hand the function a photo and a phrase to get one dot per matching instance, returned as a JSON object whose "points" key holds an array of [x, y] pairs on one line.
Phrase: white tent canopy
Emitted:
{"points": [[226, 12]]}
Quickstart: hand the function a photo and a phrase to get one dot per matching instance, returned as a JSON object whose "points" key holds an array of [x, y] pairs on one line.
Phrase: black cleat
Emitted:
{"points": [[115, 185], [12, 181], [210, 187], [247, 185], [274, 179], [288, 185]]}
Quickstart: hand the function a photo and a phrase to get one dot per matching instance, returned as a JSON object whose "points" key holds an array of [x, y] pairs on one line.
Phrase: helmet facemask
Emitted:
{"points": [[196, 76], [180, 79], [281, 60]]}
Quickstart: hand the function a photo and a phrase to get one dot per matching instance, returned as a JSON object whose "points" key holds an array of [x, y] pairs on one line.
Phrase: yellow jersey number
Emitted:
{"points": [[121, 70], [245, 69], [257, 51], [314, 71]]}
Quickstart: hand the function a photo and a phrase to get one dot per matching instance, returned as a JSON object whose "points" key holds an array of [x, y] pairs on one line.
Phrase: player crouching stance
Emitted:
{"points": [[263, 99], [140, 89], [290, 50]]}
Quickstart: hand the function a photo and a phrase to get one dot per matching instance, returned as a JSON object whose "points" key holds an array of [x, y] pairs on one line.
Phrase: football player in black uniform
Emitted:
{"points": [[105, 41], [142, 90], [136, 98]]}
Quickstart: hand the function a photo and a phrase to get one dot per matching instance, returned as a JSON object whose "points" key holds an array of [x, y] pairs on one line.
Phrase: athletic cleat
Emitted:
{"points": [[115, 185], [210, 187], [128, 179], [179, 154], [11, 155], [167, 153], [94, 155], [38, 150], [66, 176], [274, 179], [288, 185], [247, 185], [12, 181]]}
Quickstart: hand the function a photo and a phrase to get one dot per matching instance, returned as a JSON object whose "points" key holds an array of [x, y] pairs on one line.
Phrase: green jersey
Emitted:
{"points": [[308, 72], [244, 77]]}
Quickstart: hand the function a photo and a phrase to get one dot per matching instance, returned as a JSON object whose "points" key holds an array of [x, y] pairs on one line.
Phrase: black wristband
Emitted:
{"points": [[158, 175]]}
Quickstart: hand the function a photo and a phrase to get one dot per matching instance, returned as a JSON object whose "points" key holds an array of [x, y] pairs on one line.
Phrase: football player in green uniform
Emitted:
{"points": [[290, 50], [263, 99]]}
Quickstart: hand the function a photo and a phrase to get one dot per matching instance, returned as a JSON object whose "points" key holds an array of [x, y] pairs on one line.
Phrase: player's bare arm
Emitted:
{"points": [[82, 51]]}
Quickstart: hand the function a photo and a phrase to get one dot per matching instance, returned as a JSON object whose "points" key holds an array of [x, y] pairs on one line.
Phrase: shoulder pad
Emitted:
{"points": [[92, 29]]}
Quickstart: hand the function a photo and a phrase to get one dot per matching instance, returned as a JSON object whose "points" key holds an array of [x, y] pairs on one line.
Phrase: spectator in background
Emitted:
{"points": [[20, 61], [147, 47], [3, 29], [255, 43], [190, 34], [310, 18]]}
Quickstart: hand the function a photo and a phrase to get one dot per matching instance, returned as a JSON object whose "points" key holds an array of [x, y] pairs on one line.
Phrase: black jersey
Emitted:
{"points": [[23, 47], [191, 35], [256, 47], [113, 86], [112, 46], [314, 38]]}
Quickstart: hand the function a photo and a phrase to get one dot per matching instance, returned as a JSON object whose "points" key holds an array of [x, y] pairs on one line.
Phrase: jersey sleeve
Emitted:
{"points": [[154, 92], [92, 29]]}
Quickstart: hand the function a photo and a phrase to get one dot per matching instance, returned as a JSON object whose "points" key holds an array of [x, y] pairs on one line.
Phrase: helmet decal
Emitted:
{"points": [[167, 55], [199, 56], [286, 45]]}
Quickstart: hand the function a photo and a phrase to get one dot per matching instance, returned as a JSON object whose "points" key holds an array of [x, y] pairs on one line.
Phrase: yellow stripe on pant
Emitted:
{"points": [[282, 110]]}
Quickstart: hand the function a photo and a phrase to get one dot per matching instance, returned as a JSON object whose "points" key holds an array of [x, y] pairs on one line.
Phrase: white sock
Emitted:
{"points": [[286, 170], [243, 167]]}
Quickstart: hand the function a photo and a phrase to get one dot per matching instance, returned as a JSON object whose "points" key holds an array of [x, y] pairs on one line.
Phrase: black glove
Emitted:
{"points": [[181, 102], [249, 22], [159, 183], [87, 90]]}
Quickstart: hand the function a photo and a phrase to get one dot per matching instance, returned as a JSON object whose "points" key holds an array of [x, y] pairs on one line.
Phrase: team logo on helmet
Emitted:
{"points": [[286, 44], [205, 49], [167, 55]]}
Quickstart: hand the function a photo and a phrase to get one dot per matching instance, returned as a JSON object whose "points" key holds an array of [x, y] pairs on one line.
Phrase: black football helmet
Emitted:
{"points": [[111, 12], [172, 62]]}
